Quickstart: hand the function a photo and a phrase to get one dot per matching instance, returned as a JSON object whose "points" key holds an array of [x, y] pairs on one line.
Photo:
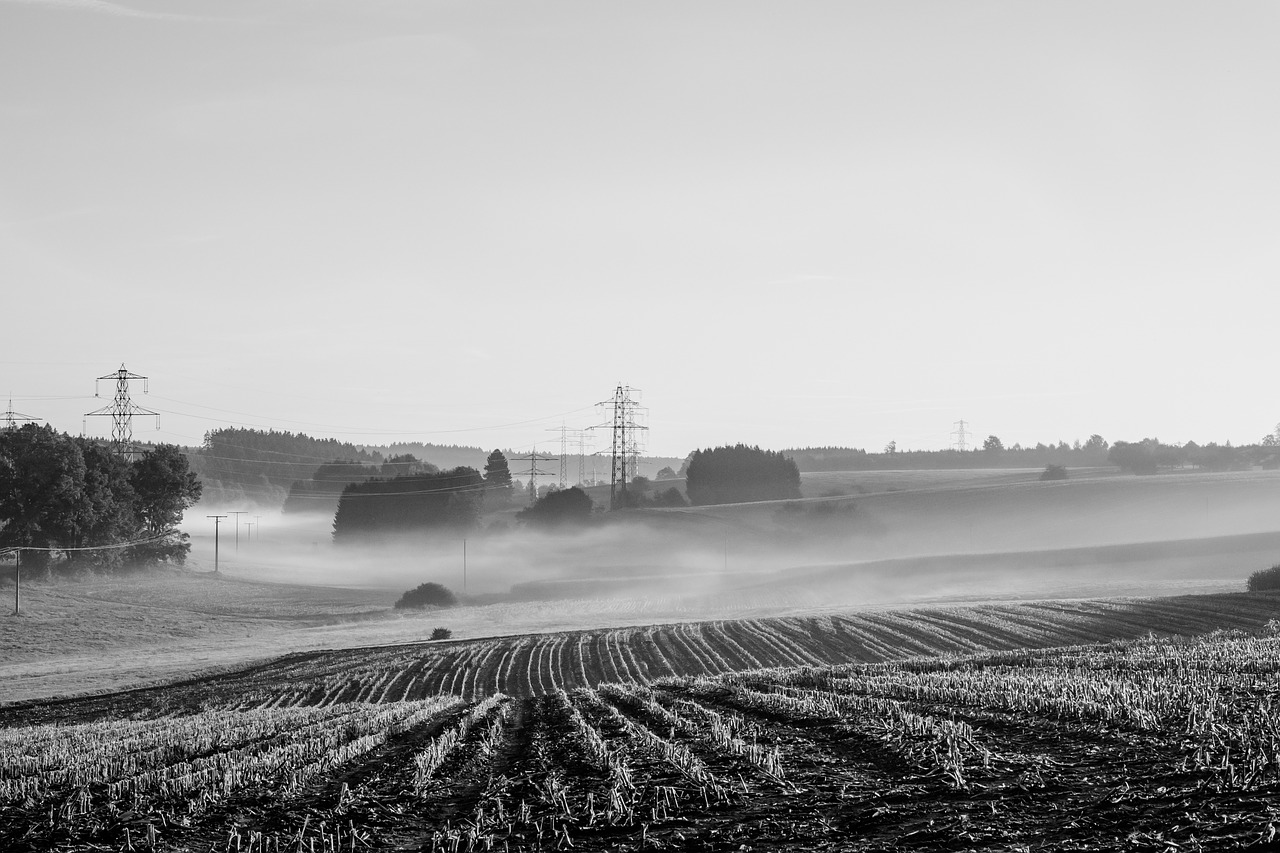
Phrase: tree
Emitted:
{"points": [[427, 595], [993, 444], [404, 464], [740, 474], [164, 488], [1096, 443], [665, 473], [75, 494], [1137, 458], [109, 510], [1264, 580], [497, 473], [41, 489], [670, 498], [320, 493], [561, 508]]}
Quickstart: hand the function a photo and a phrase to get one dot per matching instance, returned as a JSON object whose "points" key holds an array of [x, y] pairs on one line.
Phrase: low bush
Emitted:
{"points": [[427, 595], [441, 633], [1267, 579], [1054, 472]]}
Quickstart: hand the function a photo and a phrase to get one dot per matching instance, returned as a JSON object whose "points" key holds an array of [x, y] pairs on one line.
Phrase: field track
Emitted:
{"points": [[1153, 744], [536, 664]]}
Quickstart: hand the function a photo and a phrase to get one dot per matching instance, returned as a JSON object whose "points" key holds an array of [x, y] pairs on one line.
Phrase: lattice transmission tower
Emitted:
{"points": [[11, 418], [625, 435], [571, 436], [122, 410], [962, 437], [533, 458]]}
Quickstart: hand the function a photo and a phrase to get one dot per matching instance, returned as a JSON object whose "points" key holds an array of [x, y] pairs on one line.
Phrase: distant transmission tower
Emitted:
{"points": [[564, 453], [962, 437], [625, 445], [533, 473], [11, 417], [580, 435], [123, 409]]}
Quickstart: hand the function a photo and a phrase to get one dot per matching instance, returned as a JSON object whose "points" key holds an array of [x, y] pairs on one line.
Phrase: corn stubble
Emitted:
{"points": [[1147, 744]]}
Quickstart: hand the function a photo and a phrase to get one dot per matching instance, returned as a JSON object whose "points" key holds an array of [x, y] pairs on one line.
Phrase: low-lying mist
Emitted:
{"points": [[1008, 539]]}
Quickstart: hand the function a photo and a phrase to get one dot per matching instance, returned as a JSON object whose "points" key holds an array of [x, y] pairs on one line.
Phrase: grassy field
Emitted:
{"points": [[631, 743]]}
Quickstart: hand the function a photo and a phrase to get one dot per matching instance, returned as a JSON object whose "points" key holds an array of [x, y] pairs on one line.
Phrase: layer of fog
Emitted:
{"points": [[883, 547]]}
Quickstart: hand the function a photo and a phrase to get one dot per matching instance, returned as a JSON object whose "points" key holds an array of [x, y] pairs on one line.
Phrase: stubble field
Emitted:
{"points": [[1147, 744]]}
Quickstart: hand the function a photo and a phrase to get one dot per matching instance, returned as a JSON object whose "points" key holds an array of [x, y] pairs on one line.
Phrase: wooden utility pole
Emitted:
{"points": [[217, 523], [237, 513]]}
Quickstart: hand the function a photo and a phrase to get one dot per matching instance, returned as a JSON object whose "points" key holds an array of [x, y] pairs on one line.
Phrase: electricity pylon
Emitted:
{"points": [[122, 410], [533, 473], [625, 445], [568, 435], [11, 417], [962, 437]]}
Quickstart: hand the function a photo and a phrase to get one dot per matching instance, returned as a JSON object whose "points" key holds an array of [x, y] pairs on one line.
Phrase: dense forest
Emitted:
{"points": [[78, 503]]}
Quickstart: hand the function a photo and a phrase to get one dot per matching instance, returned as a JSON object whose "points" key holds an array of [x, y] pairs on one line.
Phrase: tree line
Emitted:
{"points": [[320, 492], [73, 496], [240, 465]]}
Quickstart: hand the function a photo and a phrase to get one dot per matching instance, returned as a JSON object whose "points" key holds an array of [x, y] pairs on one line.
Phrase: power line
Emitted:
{"points": [[345, 430], [159, 537]]}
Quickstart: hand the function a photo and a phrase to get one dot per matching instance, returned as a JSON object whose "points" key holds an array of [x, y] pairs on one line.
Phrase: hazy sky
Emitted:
{"points": [[789, 224]]}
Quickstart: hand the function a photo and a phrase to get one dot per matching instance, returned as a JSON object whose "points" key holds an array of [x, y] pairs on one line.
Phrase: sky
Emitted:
{"points": [[785, 224]]}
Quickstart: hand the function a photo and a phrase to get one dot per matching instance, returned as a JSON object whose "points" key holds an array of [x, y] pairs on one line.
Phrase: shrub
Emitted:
{"points": [[427, 595], [566, 507], [441, 633], [1266, 579], [1054, 472]]}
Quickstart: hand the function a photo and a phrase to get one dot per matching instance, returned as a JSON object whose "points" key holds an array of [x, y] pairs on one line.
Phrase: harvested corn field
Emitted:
{"points": [[1151, 744]]}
